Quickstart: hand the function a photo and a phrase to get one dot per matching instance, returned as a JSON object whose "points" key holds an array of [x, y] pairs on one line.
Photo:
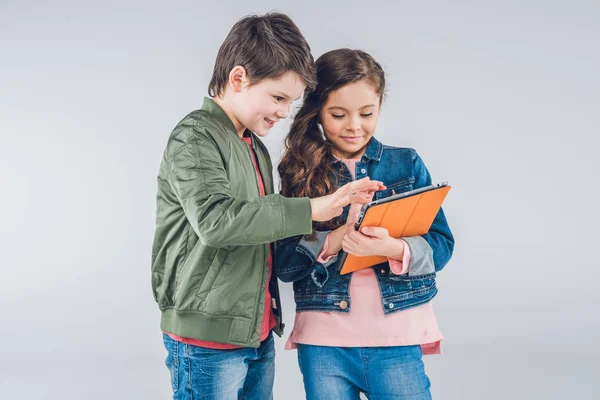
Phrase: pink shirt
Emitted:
{"points": [[268, 321], [366, 325]]}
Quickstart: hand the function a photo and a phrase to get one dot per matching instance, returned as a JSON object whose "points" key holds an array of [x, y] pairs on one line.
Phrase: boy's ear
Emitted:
{"points": [[238, 78]]}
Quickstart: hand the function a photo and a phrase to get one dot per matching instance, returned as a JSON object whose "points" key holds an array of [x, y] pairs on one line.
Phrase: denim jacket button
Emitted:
{"points": [[343, 304], [382, 271], [391, 305], [364, 171]]}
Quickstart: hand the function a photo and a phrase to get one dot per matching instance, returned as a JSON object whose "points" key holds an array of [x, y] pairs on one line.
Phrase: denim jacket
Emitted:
{"points": [[320, 287]]}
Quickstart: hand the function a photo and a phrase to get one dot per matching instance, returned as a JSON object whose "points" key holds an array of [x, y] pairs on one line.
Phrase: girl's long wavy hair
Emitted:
{"points": [[306, 168]]}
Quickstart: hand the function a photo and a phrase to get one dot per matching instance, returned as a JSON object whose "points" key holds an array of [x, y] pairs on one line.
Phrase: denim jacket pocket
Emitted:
{"points": [[410, 290]]}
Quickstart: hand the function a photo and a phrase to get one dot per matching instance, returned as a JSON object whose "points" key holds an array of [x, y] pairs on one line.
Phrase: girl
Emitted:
{"points": [[365, 331]]}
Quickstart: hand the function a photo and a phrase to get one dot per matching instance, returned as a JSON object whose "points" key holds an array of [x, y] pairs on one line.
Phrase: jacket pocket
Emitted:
{"points": [[408, 287], [212, 273]]}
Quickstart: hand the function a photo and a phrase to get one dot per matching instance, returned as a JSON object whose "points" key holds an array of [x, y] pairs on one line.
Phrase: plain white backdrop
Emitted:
{"points": [[501, 98]]}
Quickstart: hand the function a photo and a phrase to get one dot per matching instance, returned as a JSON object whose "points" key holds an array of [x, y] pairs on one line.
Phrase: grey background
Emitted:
{"points": [[500, 98]]}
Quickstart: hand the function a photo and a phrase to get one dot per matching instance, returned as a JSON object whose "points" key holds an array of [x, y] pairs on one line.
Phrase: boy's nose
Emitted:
{"points": [[283, 112]]}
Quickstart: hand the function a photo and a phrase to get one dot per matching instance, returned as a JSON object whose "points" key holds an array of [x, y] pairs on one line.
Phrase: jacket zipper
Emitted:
{"points": [[257, 171]]}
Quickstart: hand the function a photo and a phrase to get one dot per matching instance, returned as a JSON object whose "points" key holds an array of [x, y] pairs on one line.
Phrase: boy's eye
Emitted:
{"points": [[366, 115], [337, 116]]}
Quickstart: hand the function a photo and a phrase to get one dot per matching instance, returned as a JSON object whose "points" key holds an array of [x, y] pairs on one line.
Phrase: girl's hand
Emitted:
{"points": [[336, 236], [354, 212], [371, 241]]}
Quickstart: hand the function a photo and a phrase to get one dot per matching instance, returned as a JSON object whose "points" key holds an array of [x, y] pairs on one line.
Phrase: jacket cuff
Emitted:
{"points": [[421, 256], [313, 248], [297, 216], [400, 267]]}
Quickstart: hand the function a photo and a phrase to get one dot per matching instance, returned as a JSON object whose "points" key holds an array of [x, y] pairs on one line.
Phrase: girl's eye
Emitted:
{"points": [[278, 98], [337, 116], [366, 115]]}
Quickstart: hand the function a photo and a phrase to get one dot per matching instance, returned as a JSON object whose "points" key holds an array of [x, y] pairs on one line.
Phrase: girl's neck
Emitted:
{"points": [[346, 159], [340, 155]]}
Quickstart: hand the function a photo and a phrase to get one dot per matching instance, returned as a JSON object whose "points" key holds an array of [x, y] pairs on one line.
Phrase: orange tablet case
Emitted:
{"points": [[410, 216]]}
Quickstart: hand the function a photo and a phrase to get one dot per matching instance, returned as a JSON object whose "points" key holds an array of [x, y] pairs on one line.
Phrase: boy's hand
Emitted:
{"points": [[327, 207]]}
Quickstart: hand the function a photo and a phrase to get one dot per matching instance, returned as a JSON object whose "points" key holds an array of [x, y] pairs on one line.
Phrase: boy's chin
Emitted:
{"points": [[261, 131]]}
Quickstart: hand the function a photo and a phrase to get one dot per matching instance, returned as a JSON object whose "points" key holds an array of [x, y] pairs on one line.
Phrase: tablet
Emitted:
{"points": [[395, 197]]}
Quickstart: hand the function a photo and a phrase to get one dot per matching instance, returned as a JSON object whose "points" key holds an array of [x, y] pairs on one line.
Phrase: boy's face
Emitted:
{"points": [[260, 105]]}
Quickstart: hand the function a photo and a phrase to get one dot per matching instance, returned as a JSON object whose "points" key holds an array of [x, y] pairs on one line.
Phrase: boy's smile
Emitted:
{"points": [[260, 105]]}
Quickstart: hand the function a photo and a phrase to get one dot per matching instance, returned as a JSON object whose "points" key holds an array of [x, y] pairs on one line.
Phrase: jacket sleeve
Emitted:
{"points": [[199, 180], [297, 257], [439, 237]]}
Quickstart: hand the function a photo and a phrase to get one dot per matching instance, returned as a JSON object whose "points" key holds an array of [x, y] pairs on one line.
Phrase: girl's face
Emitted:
{"points": [[349, 118]]}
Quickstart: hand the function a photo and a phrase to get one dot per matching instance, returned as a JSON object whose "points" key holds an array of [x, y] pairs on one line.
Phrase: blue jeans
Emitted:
{"points": [[199, 373], [381, 373]]}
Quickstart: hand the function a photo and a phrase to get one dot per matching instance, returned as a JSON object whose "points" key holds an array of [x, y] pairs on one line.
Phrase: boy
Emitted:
{"points": [[217, 215]]}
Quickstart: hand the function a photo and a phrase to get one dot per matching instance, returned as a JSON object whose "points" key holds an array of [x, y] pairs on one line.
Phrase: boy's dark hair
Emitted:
{"points": [[268, 46]]}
